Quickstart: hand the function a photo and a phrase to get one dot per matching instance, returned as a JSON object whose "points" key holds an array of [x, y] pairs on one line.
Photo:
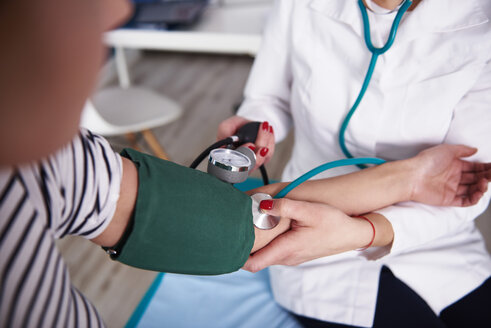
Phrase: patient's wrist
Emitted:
{"points": [[413, 176], [404, 176]]}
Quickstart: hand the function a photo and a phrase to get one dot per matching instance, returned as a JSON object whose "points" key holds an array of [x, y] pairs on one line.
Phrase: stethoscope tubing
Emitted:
{"points": [[373, 61], [393, 30], [326, 166]]}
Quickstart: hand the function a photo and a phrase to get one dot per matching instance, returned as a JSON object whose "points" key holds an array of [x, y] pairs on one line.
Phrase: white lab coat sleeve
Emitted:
{"points": [[416, 224], [267, 92]]}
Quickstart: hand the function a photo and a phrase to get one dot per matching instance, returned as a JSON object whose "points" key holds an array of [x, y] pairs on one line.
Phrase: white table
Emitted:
{"points": [[234, 27]]}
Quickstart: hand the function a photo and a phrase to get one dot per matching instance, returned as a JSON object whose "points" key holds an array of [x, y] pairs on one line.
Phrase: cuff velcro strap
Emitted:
{"points": [[186, 221]]}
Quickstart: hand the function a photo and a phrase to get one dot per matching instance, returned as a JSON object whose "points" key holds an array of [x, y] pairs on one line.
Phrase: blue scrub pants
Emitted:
{"points": [[399, 306]]}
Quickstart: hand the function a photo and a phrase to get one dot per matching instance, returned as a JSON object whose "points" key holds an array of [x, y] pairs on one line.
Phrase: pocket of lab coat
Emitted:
{"points": [[424, 114], [429, 105]]}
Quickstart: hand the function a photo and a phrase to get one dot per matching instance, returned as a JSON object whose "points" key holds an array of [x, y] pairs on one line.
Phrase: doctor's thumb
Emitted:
{"points": [[285, 208], [266, 205], [282, 207], [274, 207]]}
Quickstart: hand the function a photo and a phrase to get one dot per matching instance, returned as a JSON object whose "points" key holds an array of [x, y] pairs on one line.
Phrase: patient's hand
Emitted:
{"points": [[443, 178]]}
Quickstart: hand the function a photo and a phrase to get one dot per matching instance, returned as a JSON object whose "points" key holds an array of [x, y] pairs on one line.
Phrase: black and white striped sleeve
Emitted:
{"points": [[85, 195], [75, 191]]}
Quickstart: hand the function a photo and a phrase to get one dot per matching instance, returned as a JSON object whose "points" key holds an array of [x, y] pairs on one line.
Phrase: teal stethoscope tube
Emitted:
{"points": [[375, 53], [342, 162]]}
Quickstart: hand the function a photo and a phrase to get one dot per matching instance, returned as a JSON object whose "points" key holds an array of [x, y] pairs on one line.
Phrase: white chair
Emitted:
{"points": [[127, 110]]}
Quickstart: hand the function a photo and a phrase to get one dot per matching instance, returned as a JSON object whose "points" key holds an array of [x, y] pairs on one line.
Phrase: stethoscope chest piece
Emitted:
{"points": [[262, 220]]}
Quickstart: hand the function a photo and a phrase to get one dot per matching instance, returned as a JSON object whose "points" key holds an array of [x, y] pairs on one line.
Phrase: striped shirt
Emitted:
{"points": [[74, 192]]}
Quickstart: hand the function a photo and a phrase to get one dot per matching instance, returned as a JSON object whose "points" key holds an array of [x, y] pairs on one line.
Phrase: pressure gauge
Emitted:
{"points": [[229, 165]]}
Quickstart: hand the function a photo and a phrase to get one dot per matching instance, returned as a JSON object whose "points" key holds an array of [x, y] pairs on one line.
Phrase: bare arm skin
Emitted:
{"points": [[125, 206]]}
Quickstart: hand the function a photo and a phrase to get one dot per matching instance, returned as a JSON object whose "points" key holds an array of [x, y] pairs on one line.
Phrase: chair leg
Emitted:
{"points": [[154, 144], [131, 137]]}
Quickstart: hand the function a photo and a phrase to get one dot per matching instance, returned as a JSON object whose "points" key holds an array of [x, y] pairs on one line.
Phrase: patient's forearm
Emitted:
{"points": [[356, 193]]}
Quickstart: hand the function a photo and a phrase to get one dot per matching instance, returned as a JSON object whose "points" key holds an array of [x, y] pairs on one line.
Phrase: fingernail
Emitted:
{"points": [[266, 204], [252, 148], [271, 129], [265, 126], [264, 151]]}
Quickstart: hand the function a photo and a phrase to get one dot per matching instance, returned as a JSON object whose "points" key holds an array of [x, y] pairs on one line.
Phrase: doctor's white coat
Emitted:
{"points": [[433, 86]]}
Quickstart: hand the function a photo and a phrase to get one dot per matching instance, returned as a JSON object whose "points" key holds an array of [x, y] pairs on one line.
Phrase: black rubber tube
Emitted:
{"points": [[206, 152], [264, 174]]}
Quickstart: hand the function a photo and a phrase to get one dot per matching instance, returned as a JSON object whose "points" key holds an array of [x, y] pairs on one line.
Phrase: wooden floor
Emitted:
{"points": [[208, 87]]}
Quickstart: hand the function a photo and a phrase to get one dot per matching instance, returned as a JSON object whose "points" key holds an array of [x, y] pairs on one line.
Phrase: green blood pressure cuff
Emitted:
{"points": [[185, 221]]}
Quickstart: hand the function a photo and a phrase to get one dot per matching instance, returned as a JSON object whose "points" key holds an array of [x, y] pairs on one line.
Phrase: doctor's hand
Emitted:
{"points": [[443, 178], [265, 143], [316, 230]]}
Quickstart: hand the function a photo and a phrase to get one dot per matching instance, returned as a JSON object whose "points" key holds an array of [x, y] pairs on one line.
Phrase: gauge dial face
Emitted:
{"points": [[230, 158]]}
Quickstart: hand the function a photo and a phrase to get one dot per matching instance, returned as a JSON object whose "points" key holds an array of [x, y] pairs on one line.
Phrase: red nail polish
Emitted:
{"points": [[266, 204], [265, 126], [264, 151], [252, 148], [271, 129]]}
